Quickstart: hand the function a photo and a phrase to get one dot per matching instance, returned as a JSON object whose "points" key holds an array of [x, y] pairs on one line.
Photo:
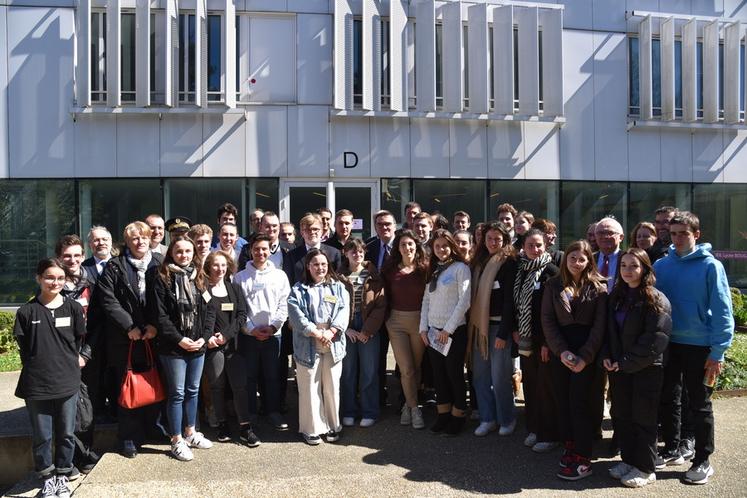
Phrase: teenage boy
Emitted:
{"points": [[702, 330]]}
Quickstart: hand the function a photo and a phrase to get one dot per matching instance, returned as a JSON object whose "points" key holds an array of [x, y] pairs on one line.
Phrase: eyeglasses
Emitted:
{"points": [[50, 279], [606, 233]]}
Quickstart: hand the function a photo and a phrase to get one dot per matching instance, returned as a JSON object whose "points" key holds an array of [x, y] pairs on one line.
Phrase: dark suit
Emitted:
{"points": [[333, 241], [373, 252], [293, 264], [89, 265]]}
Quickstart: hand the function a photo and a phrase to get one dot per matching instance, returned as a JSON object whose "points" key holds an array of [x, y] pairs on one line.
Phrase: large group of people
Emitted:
{"points": [[475, 315]]}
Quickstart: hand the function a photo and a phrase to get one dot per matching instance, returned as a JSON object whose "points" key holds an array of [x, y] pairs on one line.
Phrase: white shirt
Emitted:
{"points": [[266, 292], [101, 264]]}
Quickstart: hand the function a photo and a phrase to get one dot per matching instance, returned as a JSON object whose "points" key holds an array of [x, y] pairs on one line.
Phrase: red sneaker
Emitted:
{"points": [[579, 469]]}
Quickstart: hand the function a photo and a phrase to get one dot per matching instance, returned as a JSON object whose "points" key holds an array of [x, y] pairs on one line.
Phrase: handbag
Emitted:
{"points": [[141, 388]]}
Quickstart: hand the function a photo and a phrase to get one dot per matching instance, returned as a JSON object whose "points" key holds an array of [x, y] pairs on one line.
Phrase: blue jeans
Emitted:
{"points": [[360, 368], [262, 355], [492, 381], [182, 375], [53, 417]]}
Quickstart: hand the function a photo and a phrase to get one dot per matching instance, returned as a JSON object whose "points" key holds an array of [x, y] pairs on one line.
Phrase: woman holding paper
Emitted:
{"points": [[443, 327]]}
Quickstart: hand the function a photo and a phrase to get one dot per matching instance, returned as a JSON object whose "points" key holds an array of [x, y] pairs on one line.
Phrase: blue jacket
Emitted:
{"points": [[304, 345], [698, 290]]}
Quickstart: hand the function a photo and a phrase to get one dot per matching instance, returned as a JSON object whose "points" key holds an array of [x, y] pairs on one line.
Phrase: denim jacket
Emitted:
{"points": [[304, 344]]}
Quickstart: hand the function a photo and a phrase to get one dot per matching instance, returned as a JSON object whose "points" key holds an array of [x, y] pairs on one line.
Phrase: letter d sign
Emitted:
{"points": [[350, 159]]}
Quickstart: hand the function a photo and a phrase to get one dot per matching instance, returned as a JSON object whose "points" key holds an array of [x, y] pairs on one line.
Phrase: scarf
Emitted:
{"points": [[140, 265], [186, 294], [526, 278], [479, 313], [440, 268]]}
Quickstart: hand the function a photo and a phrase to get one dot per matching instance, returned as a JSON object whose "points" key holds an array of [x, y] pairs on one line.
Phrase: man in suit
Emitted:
{"points": [[157, 233], [343, 229], [270, 226], [100, 243], [311, 232]]}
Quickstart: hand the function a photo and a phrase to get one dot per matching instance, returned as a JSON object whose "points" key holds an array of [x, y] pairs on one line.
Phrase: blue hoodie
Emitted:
{"points": [[697, 287]]}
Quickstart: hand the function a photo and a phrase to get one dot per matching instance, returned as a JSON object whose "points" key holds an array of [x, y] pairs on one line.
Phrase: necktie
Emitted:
{"points": [[383, 256], [605, 270], [102, 267]]}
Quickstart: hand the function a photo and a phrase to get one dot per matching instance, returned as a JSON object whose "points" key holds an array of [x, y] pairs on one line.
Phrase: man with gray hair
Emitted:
{"points": [[609, 234], [100, 243]]}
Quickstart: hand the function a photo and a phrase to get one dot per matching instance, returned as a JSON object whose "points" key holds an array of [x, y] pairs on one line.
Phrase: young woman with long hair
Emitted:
{"points": [[490, 328], [574, 319], [535, 269], [405, 273], [639, 324], [178, 302], [442, 320]]}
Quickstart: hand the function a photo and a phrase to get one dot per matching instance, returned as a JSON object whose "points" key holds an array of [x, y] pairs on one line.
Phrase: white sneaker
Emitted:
{"points": [[485, 428], [348, 421], [545, 446], [199, 441], [620, 470], [507, 430], [405, 417], [62, 490], [637, 479], [417, 418], [530, 440], [367, 422], [181, 451]]}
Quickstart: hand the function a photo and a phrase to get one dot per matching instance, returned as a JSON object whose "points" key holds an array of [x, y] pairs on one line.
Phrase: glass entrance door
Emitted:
{"points": [[360, 197]]}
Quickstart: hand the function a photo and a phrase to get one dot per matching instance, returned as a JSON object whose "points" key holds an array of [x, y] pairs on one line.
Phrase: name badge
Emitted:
{"points": [[226, 306], [206, 296], [537, 286], [82, 301], [63, 321], [330, 299], [496, 285]]}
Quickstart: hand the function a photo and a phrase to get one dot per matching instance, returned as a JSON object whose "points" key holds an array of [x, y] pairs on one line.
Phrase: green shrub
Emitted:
{"points": [[734, 373], [7, 341], [738, 307]]}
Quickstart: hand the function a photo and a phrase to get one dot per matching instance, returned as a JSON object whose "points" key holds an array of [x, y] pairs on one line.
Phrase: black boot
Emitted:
{"points": [[442, 422], [456, 424]]}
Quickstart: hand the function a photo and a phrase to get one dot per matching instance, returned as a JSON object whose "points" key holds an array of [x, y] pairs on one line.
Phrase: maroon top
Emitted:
{"points": [[404, 291]]}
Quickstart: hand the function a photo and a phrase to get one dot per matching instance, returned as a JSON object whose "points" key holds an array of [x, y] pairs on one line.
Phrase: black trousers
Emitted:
{"points": [[448, 371], [383, 352], [286, 350], [635, 398], [686, 367], [597, 398], [138, 424], [572, 393], [539, 403]]}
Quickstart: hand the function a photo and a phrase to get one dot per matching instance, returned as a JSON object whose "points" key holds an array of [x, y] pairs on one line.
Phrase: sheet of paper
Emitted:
{"points": [[433, 341]]}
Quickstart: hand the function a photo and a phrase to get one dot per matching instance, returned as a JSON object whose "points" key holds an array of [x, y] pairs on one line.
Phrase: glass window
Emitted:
{"points": [[98, 57], [263, 194], [721, 209], [385, 64], [439, 65], [465, 65], [656, 76], [33, 215], [395, 193], [128, 57], [186, 57], [645, 198], [214, 62], [537, 197], [357, 62], [584, 202], [114, 203], [634, 77], [448, 196]]}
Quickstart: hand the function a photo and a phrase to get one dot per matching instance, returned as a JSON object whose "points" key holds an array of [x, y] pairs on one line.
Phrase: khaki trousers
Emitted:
{"points": [[408, 350], [319, 395]]}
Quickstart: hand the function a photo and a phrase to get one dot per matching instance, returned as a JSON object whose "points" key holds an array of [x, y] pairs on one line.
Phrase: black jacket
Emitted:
{"points": [[122, 307], [643, 338], [90, 266], [293, 264], [538, 336], [373, 249], [237, 317]]}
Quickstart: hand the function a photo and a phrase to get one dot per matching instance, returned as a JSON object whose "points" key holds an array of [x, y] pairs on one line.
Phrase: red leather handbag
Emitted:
{"points": [[141, 388]]}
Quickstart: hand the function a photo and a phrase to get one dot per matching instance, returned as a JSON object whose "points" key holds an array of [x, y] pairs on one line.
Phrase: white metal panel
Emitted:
{"points": [[676, 155], [181, 145], [272, 66], [667, 69], [113, 53], [343, 53], [468, 146], [552, 61], [689, 71], [644, 155], [577, 14], [224, 144], [229, 58], [608, 15], [266, 5], [140, 129], [503, 59], [710, 72], [390, 148], [200, 61], [398, 61], [308, 141], [170, 53], [314, 67], [142, 53], [410, 58], [310, 6], [40, 51], [429, 148], [708, 158], [452, 73], [542, 149], [4, 165], [735, 156], [83, 49], [243, 64], [425, 54], [479, 60], [95, 140], [528, 48], [732, 45], [372, 55], [645, 70], [505, 150], [267, 141], [350, 135]]}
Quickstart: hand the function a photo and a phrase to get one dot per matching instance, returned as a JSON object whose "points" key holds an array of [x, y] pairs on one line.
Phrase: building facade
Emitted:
{"points": [[113, 109]]}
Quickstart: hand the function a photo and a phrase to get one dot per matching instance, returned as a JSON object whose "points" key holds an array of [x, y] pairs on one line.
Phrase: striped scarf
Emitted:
{"points": [[526, 278]]}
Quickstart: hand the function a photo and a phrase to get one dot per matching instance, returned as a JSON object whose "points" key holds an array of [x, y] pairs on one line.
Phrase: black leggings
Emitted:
{"points": [[572, 393], [448, 371]]}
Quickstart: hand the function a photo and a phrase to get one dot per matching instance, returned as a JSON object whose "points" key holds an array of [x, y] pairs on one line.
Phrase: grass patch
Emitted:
{"points": [[10, 361], [734, 373]]}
